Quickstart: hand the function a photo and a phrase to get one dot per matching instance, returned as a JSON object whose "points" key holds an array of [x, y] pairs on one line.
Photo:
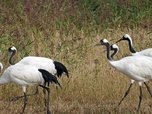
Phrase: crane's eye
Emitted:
{"points": [[9, 49]]}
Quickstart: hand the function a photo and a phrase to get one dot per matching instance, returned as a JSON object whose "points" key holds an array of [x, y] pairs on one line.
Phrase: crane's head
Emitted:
{"points": [[114, 47], [12, 49], [125, 37], [102, 42]]}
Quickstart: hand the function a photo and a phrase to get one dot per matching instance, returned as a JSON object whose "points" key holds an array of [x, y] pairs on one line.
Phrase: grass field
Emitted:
{"points": [[67, 31]]}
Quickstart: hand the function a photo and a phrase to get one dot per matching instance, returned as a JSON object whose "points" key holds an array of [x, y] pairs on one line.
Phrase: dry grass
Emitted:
{"points": [[93, 87], [66, 31]]}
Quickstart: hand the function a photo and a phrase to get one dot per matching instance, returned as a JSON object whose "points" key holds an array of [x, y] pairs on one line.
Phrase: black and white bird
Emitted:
{"points": [[146, 52], [27, 75], [115, 48], [54, 67], [138, 68]]}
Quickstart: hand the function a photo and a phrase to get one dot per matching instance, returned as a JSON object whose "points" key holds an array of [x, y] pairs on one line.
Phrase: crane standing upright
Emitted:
{"points": [[137, 68], [27, 75]]}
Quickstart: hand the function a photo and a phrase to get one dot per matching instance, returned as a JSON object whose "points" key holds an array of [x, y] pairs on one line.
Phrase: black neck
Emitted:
{"points": [[114, 53], [131, 47], [12, 55], [108, 51]]}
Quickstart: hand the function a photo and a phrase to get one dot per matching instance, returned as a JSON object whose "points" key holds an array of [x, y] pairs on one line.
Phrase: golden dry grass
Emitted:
{"points": [[66, 31], [94, 87]]}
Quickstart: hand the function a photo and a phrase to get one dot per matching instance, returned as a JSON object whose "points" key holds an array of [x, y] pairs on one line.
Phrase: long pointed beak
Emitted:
{"points": [[103, 51], [98, 44], [119, 40]]}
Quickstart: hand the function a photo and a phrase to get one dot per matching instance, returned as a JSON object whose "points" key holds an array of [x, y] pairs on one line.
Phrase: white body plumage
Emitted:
{"points": [[123, 69], [137, 68], [146, 52], [27, 75], [22, 75], [39, 62]]}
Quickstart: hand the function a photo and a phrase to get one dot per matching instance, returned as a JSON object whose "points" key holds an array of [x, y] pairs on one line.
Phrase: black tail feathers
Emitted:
{"points": [[60, 69], [48, 77]]}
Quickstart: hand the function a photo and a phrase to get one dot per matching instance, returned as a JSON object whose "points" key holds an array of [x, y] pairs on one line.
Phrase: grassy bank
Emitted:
{"points": [[66, 31]]}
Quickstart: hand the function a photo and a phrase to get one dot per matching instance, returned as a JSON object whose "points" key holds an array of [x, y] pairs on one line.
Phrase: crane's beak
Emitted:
{"points": [[119, 40], [98, 44], [104, 51]]}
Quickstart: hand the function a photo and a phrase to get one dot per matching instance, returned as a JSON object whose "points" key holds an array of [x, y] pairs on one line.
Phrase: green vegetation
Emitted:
{"points": [[66, 31]]}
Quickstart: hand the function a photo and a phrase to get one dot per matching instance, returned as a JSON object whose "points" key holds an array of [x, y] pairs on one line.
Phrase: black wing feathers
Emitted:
{"points": [[60, 69], [48, 77]]}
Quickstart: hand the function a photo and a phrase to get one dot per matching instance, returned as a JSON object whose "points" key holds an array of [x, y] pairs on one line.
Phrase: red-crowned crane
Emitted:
{"points": [[53, 67], [146, 52], [27, 75], [138, 68]]}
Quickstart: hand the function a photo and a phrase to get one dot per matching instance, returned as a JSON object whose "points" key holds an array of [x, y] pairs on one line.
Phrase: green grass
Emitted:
{"points": [[66, 31]]}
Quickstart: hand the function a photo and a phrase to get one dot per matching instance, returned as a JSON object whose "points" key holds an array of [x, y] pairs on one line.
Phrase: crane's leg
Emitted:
{"points": [[127, 92], [48, 99], [44, 91], [25, 102], [140, 98], [18, 97], [148, 88], [48, 105]]}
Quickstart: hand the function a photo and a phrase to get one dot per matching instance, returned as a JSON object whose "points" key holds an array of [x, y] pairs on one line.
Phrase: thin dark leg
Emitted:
{"points": [[25, 103], [44, 91], [126, 93], [148, 88], [140, 98], [48, 99], [18, 97], [48, 103]]}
